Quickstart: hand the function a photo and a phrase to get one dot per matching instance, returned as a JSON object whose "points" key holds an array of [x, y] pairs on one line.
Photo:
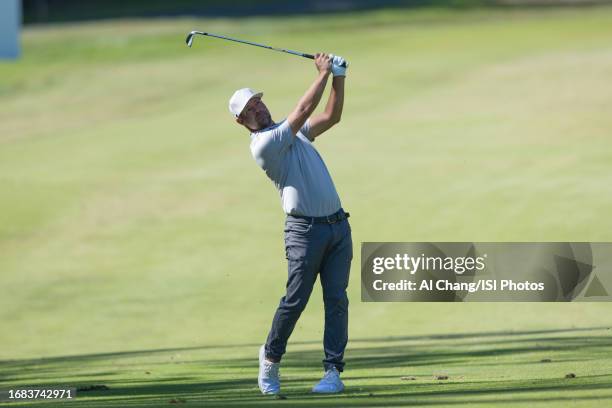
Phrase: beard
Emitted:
{"points": [[263, 119]]}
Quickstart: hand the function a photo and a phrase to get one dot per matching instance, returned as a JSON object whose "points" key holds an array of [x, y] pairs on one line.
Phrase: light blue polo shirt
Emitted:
{"points": [[297, 170]]}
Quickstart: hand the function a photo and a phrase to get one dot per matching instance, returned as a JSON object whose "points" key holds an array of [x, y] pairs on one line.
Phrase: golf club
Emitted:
{"points": [[189, 41]]}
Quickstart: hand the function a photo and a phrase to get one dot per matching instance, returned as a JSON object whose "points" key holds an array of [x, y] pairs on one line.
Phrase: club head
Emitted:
{"points": [[189, 39]]}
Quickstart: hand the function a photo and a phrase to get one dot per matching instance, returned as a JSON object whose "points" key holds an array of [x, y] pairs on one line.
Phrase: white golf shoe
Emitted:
{"points": [[267, 379], [330, 383]]}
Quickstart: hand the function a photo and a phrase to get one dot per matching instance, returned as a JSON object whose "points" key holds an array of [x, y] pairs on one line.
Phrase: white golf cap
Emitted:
{"points": [[240, 98]]}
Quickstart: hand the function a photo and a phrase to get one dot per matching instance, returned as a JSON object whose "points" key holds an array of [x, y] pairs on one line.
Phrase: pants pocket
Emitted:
{"points": [[295, 252], [301, 228], [297, 240]]}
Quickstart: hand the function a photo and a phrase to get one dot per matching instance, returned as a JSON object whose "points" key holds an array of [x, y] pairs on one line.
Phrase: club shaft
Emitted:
{"points": [[300, 54]]}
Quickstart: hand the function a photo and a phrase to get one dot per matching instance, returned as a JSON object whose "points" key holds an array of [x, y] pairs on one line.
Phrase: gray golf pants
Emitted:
{"points": [[311, 249]]}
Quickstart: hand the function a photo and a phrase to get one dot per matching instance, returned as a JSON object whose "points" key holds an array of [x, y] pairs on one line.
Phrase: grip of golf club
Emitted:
{"points": [[313, 57]]}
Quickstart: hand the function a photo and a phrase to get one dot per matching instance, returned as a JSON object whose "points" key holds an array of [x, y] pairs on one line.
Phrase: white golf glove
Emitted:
{"points": [[337, 69]]}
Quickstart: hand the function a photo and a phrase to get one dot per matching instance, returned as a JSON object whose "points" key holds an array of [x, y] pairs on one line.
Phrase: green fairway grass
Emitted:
{"points": [[141, 247]]}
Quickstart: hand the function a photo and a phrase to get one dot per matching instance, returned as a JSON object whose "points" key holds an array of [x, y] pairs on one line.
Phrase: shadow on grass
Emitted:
{"points": [[231, 381]]}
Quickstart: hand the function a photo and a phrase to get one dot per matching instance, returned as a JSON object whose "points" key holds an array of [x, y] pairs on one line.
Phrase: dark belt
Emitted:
{"points": [[330, 219]]}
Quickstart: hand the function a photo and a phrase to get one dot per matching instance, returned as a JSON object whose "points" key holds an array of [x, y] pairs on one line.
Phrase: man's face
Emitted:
{"points": [[255, 115]]}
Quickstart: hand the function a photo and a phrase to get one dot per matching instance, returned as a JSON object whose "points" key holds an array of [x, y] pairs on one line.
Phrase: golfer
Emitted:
{"points": [[317, 232]]}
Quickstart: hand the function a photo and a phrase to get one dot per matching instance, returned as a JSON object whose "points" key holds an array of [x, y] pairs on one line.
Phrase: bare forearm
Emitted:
{"points": [[335, 103], [308, 103]]}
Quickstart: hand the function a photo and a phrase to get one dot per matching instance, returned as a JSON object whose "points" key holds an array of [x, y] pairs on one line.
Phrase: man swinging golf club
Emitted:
{"points": [[317, 232]]}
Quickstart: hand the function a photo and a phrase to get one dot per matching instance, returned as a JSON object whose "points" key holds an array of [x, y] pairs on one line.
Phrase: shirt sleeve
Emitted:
{"points": [[306, 130], [272, 143]]}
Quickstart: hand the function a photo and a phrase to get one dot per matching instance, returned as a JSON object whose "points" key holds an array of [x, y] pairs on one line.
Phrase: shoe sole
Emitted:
{"points": [[327, 392]]}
